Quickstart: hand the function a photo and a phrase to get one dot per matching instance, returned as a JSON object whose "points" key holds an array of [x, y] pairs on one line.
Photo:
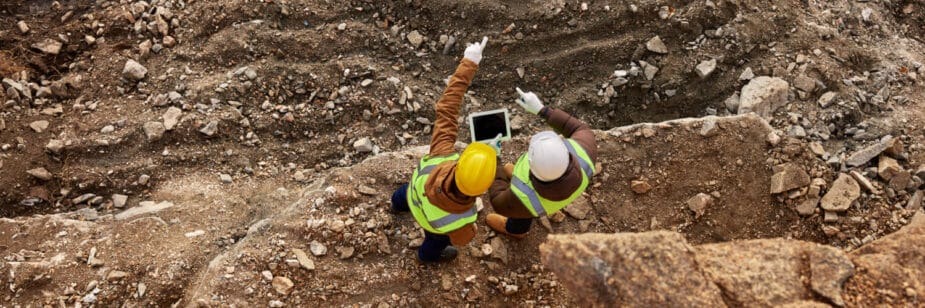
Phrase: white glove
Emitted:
{"points": [[474, 51], [529, 101], [496, 144]]}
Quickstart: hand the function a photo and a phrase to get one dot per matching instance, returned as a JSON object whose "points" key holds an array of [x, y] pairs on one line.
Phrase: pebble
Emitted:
{"points": [[363, 145], [226, 178], [49, 46], [579, 208], [842, 194], [23, 27], [705, 68], [119, 201], [276, 304], [54, 146], [789, 177], [40, 173], [747, 74], [656, 45], [282, 285], [107, 129], [267, 275], [887, 168], [172, 117], [154, 130], [763, 95], [209, 129], [826, 99], [861, 157], [366, 82], [303, 259], [317, 248], [134, 71], [415, 38], [39, 126], [640, 187], [699, 203], [864, 182], [915, 202]]}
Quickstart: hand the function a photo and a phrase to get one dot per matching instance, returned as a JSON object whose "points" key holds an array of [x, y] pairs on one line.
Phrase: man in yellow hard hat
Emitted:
{"points": [[445, 184], [553, 173]]}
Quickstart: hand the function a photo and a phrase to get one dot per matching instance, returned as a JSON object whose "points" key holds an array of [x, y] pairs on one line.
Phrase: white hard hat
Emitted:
{"points": [[548, 156]]}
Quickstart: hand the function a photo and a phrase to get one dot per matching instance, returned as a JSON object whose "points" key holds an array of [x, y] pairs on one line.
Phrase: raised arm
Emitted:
{"points": [[446, 126]]}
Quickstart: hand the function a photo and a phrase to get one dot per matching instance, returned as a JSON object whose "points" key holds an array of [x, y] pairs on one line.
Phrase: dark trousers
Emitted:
{"points": [[518, 225], [433, 243]]}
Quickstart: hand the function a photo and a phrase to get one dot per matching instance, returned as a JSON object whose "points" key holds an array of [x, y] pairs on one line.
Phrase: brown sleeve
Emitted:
{"points": [[446, 126], [503, 200], [571, 127], [462, 236]]}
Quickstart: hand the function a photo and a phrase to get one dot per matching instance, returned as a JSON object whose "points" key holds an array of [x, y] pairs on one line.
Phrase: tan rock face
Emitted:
{"points": [[629, 269]]}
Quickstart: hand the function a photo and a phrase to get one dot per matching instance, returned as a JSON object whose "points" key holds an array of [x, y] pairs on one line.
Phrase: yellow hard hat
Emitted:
{"points": [[475, 169]]}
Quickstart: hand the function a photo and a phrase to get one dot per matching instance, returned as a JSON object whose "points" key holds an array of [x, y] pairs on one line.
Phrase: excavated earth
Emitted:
{"points": [[291, 122]]}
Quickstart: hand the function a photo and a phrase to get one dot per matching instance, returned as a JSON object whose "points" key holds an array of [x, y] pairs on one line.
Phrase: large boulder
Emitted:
{"points": [[891, 270]]}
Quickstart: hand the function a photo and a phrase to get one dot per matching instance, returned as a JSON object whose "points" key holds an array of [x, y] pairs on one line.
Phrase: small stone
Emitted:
{"points": [[773, 139], [415, 38], [788, 178], [830, 217], [342, 26], [317, 248], [143, 179], [282, 285], [54, 146], [209, 129], [864, 182], [732, 102], [172, 117], [39, 126], [747, 74], [864, 155], [345, 252], [804, 83], [49, 46], [250, 74], [901, 180], [656, 45], [366, 190], [154, 130], [640, 187], [817, 149], [226, 178], [134, 71], [887, 168], [920, 172], [108, 129], [826, 99], [116, 275], [363, 145], [649, 71], [41, 174], [709, 128], [705, 68], [699, 203], [119, 201], [276, 304], [842, 194], [169, 41], [303, 259], [23, 27], [895, 148], [915, 202], [579, 208]]}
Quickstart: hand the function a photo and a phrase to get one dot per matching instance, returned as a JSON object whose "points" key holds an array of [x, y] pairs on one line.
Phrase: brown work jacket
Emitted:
{"points": [[440, 187], [503, 200]]}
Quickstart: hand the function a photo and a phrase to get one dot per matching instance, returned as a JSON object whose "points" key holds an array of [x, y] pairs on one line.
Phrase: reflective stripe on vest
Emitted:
{"points": [[421, 205], [529, 197]]}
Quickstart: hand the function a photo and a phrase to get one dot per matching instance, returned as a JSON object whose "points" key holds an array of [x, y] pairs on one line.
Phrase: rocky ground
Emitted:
{"points": [[219, 153]]}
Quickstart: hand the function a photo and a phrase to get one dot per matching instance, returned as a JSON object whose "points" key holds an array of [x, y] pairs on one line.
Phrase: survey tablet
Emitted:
{"points": [[486, 125]]}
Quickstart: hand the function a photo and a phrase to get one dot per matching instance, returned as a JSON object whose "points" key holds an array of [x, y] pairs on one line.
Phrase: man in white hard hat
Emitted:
{"points": [[553, 173]]}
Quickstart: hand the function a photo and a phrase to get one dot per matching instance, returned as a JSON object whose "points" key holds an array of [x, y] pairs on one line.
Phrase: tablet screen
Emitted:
{"points": [[488, 126]]}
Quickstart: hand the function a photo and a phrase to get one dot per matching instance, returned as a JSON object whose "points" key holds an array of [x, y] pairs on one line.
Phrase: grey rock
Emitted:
{"points": [[40, 173], [134, 71], [915, 202], [415, 38], [864, 155], [827, 99], [49, 46], [763, 95], [54, 146], [656, 45], [318, 249], [709, 128], [790, 176], [118, 201], [225, 178], [804, 83], [172, 117], [363, 145], [747, 74], [143, 208], [842, 194], [154, 130], [39, 126], [209, 129], [705, 68], [732, 102]]}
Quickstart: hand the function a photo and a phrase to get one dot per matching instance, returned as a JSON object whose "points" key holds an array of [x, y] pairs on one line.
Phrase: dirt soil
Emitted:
{"points": [[271, 97]]}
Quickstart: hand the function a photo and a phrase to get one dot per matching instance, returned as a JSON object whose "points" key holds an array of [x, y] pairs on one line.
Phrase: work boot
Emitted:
{"points": [[499, 224], [448, 254]]}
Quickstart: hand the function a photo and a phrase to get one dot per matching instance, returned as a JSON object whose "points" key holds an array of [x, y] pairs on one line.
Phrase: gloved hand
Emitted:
{"points": [[474, 51], [496, 144], [529, 101]]}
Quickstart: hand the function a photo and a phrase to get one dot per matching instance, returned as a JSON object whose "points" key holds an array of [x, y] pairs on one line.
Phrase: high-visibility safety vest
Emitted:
{"points": [[522, 186], [429, 216]]}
